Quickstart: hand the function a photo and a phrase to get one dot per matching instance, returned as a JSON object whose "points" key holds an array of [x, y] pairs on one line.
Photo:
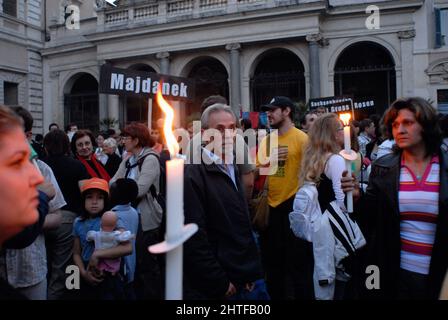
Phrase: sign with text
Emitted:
{"points": [[126, 82], [341, 104]]}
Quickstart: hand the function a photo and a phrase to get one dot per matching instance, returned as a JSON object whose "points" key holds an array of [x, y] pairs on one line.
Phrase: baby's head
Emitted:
{"points": [[108, 221]]}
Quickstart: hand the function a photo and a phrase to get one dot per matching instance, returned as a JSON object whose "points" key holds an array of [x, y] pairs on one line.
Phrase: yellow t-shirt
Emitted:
{"points": [[283, 180]]}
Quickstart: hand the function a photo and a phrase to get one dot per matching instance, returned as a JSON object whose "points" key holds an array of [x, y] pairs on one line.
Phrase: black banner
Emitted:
{"points": [[125, 82], [341, 104]]}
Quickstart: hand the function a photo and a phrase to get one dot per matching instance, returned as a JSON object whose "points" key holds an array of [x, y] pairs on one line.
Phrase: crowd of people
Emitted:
{"points": [[71, 198]]}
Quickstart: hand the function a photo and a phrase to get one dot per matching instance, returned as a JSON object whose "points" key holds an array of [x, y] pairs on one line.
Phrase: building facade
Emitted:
{"points": [[245, 50]]}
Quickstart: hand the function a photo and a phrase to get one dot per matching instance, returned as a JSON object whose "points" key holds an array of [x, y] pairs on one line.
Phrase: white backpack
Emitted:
{"points": [[306, 211], [334, 235]]}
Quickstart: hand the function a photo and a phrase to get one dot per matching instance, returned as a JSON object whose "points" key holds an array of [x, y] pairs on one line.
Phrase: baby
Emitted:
{"points": [[108, 238]]}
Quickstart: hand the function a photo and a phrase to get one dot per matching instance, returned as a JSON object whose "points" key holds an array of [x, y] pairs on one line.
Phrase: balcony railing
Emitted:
{"points": [[156, 12]]}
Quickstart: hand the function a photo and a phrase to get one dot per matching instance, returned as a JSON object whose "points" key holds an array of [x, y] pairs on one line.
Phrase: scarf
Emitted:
{"points": [[103, 173]]}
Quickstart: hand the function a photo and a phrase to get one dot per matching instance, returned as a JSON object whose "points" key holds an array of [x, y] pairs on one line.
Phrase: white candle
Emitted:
{"points": [[176, 232], [347, 142], [348, 166], [175, 197], [174, 226], [348, 155]]}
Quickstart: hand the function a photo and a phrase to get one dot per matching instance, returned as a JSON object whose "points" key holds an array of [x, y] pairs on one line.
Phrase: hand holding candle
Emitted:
{"points": [[348, 154]]}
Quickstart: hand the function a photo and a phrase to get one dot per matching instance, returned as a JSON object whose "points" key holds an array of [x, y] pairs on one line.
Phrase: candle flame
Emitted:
{"points": [[345, 118], [171, 142]]}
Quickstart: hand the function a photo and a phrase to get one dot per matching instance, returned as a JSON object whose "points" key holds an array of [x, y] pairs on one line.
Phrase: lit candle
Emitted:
{"points": [[348, 154], [176, 232]]}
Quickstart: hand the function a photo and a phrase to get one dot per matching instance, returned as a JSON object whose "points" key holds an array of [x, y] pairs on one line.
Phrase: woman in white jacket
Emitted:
{"points": [[323, 166]]}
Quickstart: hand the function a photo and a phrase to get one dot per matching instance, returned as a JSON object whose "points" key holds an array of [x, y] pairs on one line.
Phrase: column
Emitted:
{"points": [[313, 45], [113, 108], [164, 58], [235, 76], [407, 62], [103, 98]]}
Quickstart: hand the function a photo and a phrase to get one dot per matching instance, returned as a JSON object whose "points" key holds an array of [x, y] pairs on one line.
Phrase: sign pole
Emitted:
{"points": [[149, 113]]}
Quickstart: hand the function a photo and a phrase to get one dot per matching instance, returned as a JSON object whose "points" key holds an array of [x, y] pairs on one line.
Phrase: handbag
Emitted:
{"points": [[260, 206]]}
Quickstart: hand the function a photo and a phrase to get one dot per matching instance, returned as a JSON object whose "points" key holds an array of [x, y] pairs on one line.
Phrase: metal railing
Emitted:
{"points": [[162, 11]]}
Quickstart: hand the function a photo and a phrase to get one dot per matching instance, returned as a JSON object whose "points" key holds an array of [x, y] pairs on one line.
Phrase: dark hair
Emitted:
{"points": [[52, 124], [78, 135], [211, 100], [302, 120], [68, 127], [56, 143], [354, 138], [355, 123], [84, 214], [246, 123], [141, 132], [364, 124], [103, 134], [376, 121], [123, 191], [110, 132], [426, 116], [39, 138], [8, 120], [26, 116]]}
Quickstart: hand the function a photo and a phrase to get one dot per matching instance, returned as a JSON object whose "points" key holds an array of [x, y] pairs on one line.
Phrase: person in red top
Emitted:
{"points": [[82, 146]]}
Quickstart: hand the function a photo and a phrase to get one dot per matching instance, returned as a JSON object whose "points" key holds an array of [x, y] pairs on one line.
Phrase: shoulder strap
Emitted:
{"points": [[152, 189], [340, 229]]}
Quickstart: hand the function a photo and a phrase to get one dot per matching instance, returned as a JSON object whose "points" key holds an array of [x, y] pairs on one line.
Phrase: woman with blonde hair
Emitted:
{"points": [[322, 167], [322, 163]]}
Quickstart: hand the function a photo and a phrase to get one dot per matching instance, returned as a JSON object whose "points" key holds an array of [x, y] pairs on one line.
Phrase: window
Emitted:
{"points": [[11, 93], [442, 101], [441, 27], [10, 7]]}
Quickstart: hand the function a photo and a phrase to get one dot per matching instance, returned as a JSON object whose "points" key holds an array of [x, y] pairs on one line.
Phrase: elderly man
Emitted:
{"points": [[221, 259]]}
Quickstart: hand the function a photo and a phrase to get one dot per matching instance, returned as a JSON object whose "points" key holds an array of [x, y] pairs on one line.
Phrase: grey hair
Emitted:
{"points": [[217, 107], [110, 142]]}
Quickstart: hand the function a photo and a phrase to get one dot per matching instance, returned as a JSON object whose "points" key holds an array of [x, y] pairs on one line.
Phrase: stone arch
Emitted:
{"points": [[276, 71], [389, 47], [81, 100], [70, 78], [366, 70]]}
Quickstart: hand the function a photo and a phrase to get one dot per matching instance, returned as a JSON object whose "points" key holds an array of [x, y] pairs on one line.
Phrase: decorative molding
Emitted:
{"points": [[438, 72], [407, 34], [317, 38], [233, 46], [162, 55], [54, 74]]}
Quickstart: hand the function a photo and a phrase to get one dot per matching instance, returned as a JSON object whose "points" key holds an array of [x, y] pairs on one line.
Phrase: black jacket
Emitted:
{"points": [[379, 218], [112, 164], [68, 173], [224, 248]]}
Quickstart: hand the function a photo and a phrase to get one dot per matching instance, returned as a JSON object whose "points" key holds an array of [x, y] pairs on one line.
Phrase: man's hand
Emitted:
{"points": [[91, 278], [249, 286], [47, 188], [350, 184], [230, 291]]}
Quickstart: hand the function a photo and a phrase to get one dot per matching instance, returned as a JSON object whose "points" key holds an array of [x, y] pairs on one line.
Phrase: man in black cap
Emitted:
{"points": [[278, 243]]}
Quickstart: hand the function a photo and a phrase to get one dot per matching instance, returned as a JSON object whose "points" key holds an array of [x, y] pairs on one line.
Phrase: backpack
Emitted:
{"points": [[160, 197], [306, 210]]}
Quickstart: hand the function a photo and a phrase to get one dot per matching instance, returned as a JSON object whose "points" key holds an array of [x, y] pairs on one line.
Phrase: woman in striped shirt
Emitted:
{"points": [[404, 213]]}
